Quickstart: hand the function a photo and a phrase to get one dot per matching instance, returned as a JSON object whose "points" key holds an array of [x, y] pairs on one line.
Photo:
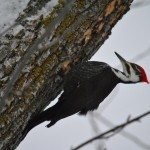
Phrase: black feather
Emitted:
{"points": [[85, 87]]}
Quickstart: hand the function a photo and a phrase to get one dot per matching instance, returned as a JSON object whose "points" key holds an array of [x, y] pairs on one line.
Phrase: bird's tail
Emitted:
{"points": [[46, 115]]}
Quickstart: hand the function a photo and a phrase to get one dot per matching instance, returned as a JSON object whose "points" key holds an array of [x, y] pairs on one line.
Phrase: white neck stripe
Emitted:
{"points": [[126, 78]]}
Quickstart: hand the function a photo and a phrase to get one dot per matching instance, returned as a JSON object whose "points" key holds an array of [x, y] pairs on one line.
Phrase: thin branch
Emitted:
{"points": [[123, 125], [124, 133], [92, 120], [141, 55], [140, 4]]}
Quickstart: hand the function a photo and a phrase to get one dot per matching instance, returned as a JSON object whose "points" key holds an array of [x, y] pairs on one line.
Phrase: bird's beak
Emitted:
{"points": [[121, 58], [123, 62]]}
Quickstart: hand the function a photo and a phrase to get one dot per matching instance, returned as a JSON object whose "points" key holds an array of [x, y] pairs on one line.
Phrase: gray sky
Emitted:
{"points": [[130, 37]]}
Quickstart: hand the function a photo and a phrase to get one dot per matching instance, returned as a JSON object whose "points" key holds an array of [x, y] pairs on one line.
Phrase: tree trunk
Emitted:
{"points": [[40, 49]]}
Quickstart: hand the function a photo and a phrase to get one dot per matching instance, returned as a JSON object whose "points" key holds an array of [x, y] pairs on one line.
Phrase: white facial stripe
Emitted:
{"points": [[132, 77], [125, 67], [120, 75]]}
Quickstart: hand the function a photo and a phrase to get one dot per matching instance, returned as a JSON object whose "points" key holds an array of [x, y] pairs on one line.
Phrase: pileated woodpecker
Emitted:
{"points": [[85, 87]]}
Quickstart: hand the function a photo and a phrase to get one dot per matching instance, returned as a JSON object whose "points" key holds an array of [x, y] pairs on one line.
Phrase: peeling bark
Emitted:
{"points": [[41, 48]]}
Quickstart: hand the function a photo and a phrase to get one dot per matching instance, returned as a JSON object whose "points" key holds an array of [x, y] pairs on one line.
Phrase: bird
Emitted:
{"points": [[85, 87]]}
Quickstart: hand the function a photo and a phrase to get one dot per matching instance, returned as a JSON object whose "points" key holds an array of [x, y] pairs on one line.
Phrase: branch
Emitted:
{"points": [[125, 134], [140, 4], [119, 127], [100, 144]]}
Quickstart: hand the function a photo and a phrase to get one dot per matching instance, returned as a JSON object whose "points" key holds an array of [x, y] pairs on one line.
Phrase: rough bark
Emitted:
{"points": [[40, 49]]}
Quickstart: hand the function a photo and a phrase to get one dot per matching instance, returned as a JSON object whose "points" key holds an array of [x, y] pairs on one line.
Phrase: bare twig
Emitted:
{"points": [[140, 4], [141, 55], [92, 120], [124, 133], [123, 125]]}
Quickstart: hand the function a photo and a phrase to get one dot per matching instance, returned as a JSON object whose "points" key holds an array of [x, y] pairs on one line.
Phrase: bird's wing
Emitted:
{"points": [[81, 73]]}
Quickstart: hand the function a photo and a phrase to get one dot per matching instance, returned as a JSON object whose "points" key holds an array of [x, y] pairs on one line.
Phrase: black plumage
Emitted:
{"points": [[85, 87]]}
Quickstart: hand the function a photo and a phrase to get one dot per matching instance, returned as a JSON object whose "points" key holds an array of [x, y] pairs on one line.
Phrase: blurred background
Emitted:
{"points": [[131, 39]]}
